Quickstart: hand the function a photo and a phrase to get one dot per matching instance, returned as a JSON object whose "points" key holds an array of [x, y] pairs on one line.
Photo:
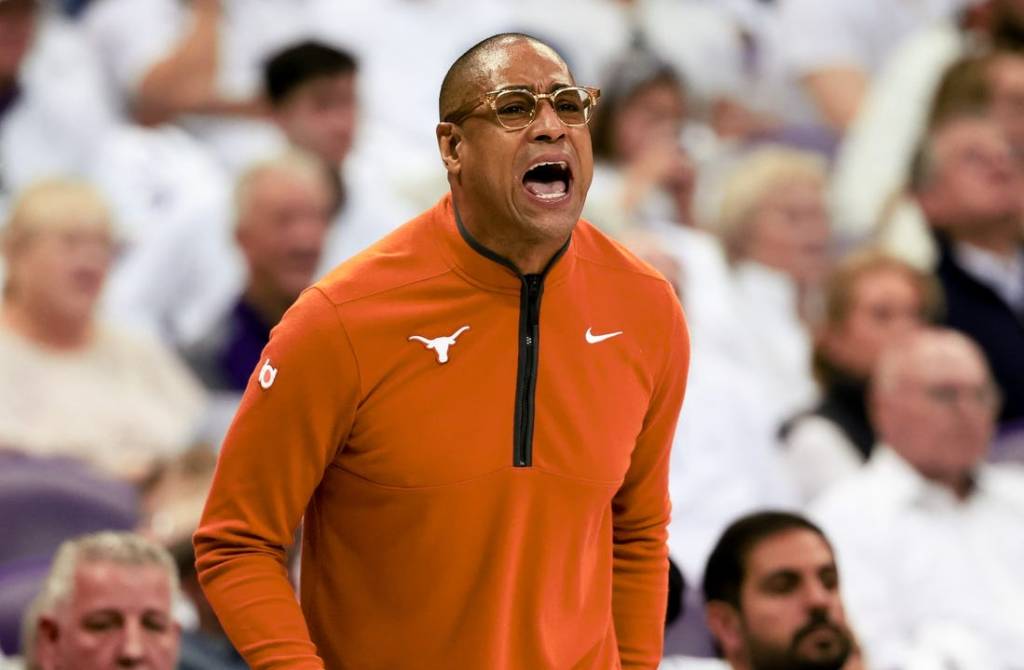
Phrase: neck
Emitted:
{"points": [[529, 254], [47, 328], [267, 301], [1002, 246], [1002, 237], [961, 485]]}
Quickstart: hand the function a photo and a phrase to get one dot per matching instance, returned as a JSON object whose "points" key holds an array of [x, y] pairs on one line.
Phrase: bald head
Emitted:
{"points": [[470, 71], [915, 354], [933, 403]]}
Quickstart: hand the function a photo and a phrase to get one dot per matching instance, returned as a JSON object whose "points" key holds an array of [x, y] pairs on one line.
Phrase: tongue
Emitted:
{"points": [[548, 188]]}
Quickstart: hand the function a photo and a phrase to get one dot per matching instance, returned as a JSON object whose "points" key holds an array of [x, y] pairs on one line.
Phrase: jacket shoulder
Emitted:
{"points": [[407, 255], [596, 248]]}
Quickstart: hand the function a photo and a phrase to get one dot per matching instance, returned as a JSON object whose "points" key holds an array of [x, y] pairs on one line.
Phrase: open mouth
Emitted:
{"points": [[548, 181]]}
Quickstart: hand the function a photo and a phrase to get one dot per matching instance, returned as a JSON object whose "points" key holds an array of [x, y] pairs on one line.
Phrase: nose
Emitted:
{"points": [[818, 596], [132, 651], [546, 126]]}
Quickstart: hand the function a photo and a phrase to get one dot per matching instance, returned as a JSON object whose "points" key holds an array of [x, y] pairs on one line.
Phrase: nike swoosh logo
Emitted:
{"points": [[594, 339]]}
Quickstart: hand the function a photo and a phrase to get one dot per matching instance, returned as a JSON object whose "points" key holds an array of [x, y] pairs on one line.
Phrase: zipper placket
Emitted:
{"points": [[529, 344], [526, 379]]}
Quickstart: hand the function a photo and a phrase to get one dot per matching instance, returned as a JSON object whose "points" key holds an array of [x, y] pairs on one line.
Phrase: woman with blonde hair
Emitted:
{"points": [[69, 384], [775, 228]]}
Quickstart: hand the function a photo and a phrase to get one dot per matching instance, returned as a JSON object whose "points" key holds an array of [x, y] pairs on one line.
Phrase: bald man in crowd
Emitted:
{"points": [[283, 213], [927, 535], [472, 420]]}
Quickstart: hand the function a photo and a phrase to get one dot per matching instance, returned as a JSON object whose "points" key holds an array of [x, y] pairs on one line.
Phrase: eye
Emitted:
{"points": [[514, 105], [569, 106], [513, 108], [155, 622], [101, 622], [781, 583], [830, 578]]}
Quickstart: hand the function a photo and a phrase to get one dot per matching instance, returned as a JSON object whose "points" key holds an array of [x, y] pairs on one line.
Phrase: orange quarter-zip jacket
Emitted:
{"points": [[479, 460]]}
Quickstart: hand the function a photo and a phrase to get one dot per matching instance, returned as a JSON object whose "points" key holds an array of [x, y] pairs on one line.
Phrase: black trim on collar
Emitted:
{"points": [[498, 258]]}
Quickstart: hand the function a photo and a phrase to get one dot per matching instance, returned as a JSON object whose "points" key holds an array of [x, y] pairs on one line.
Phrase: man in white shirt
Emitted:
{"points": [[968, 186], [772, 593], [929, 537], [312, 91]]}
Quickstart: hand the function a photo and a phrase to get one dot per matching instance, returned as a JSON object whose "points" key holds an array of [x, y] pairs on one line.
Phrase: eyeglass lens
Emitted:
{"points": [[516, 109], [950, 394]]}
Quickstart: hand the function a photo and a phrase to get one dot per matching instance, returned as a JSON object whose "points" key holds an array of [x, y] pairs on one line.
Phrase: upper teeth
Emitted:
{"points": [[561, 164]]}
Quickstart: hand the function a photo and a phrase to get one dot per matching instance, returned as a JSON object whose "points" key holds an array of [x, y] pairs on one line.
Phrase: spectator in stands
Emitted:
{"points": [[107, 603], [832, 48], [871, 300], [644, 181], [771, 589], [197, 64], [725, 457], [926, 534], [871, 172], [52, 108], [312, 88], [643, 174], [968, 186], [69, 384], [283, 213], [775, 228], [1005, 77]]}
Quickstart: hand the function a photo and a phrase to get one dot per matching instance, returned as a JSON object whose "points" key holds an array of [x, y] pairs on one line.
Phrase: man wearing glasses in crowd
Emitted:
{"points": [[927, 533], [472, 418]]}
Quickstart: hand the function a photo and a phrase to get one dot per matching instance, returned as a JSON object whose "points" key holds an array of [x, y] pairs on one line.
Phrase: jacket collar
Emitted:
{"points": [[482, 266]]}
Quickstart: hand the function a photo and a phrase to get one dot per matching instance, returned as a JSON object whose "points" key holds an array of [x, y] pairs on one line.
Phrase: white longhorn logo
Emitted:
{"points": [[440, 344]]}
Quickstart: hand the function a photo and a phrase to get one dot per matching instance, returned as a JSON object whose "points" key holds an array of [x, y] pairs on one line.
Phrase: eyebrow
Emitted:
{"points": [[527, 87], [796, 572]]}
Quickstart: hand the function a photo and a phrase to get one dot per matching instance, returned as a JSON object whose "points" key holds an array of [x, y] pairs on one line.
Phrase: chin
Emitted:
{"points": [[552, 225]]}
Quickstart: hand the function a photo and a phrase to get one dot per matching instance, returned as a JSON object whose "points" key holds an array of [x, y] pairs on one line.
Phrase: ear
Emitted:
{"points": [[241, 234], [45, 643], [724, 622], [931, 200], [449, 137]]}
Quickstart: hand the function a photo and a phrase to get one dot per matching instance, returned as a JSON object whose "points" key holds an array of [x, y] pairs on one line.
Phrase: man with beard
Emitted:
{"points": [[772, 593], [471, 418]]}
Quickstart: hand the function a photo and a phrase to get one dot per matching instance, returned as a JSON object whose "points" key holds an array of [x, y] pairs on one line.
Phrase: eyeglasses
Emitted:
{"points": [[946, 394], [516, 108]]}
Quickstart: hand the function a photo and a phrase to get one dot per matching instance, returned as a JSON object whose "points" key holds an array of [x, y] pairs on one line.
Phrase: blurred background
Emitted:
{"points": [[817, 178]]}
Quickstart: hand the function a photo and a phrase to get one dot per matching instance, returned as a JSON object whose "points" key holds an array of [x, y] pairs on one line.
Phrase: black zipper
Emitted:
{"points": [[526, 378], [529, 344]]}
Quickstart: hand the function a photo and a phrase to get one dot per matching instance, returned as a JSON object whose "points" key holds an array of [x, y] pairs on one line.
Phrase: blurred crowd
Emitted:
{"points": [[832, 186]]}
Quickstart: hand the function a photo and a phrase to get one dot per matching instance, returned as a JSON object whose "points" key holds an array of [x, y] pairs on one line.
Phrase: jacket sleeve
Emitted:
{"points": [[295, 414], [640, 512]]}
